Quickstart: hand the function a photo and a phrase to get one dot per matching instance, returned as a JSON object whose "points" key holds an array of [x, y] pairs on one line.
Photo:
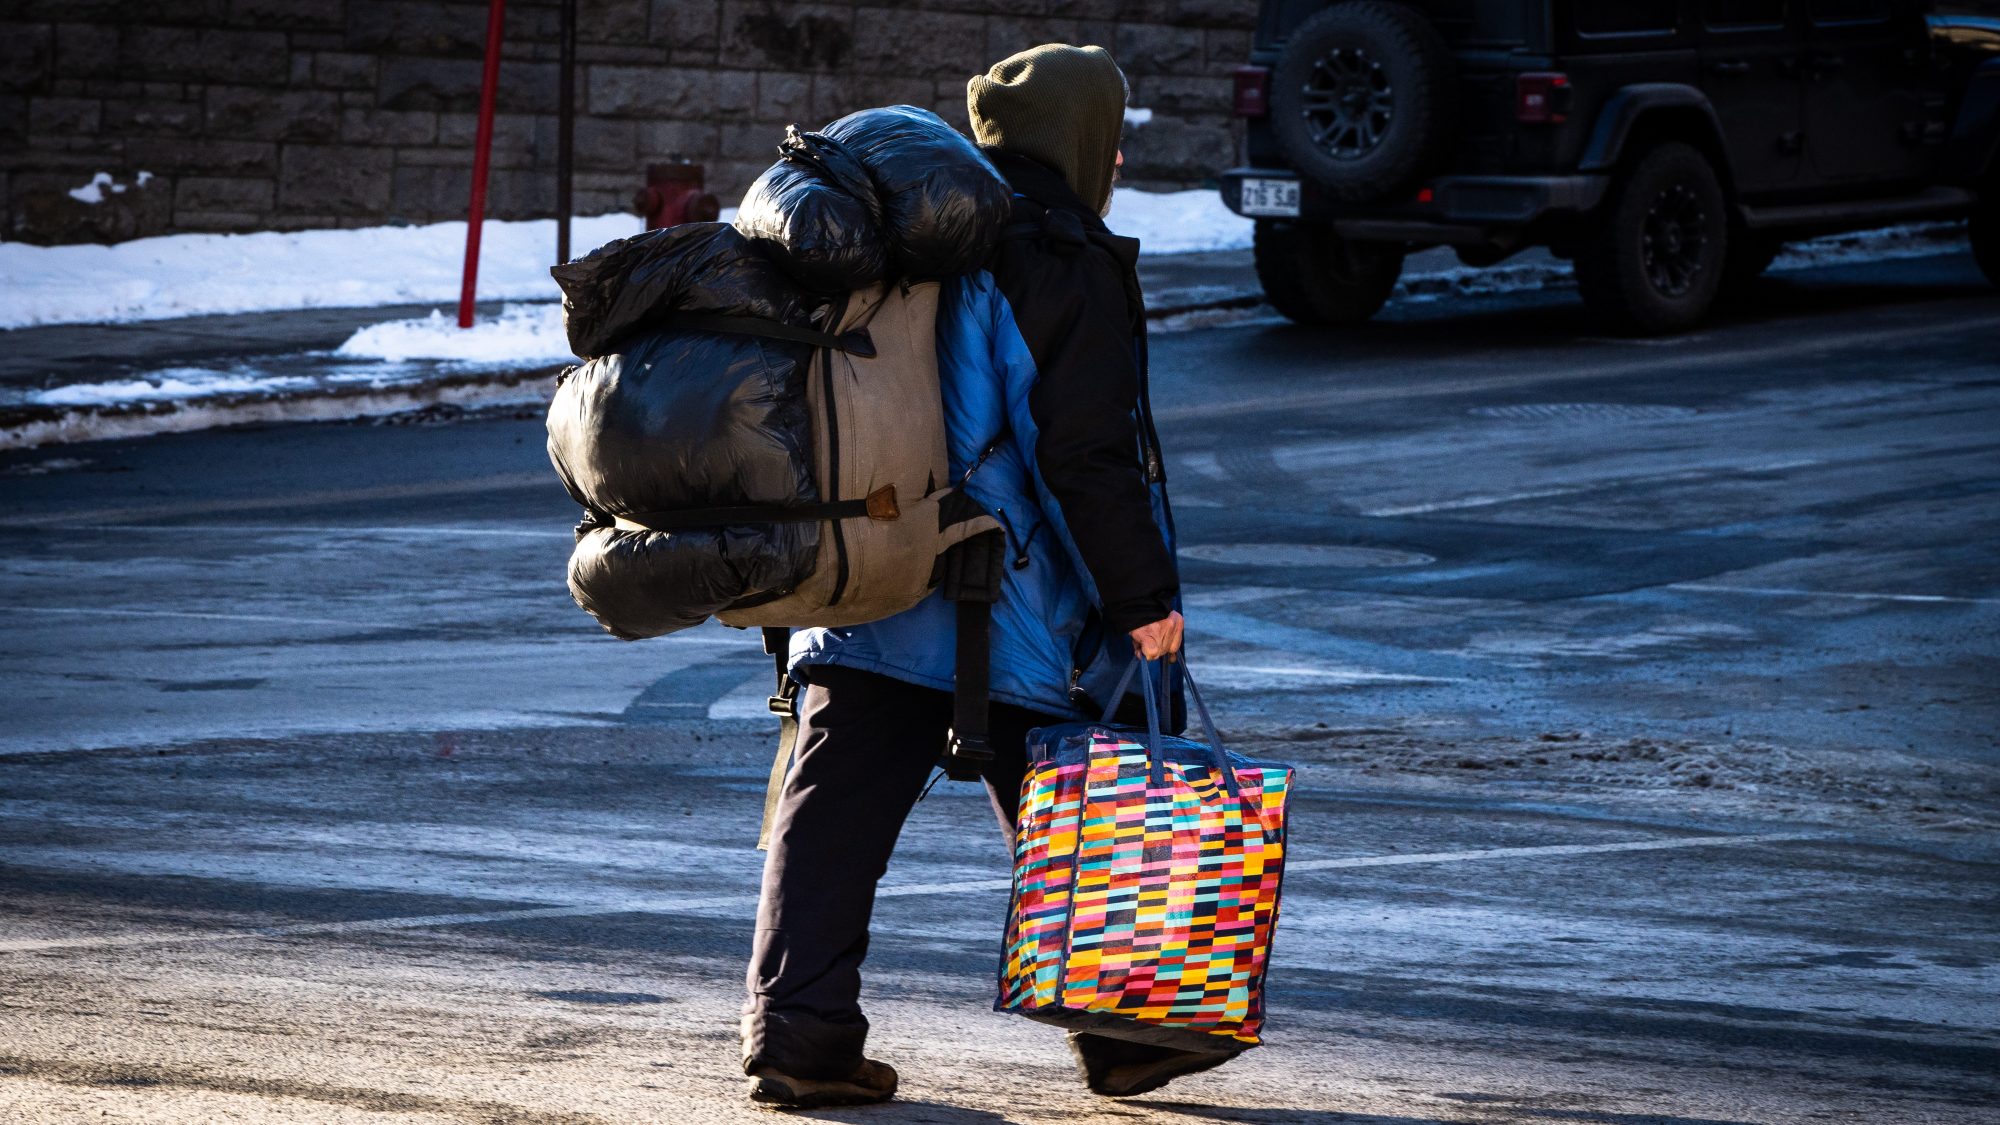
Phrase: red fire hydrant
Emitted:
{"points": [[674, 194]]}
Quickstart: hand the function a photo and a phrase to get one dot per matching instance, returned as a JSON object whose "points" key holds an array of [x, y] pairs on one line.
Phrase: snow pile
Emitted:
{"points": [[196, 274], [1177, 222], [522, 333]]}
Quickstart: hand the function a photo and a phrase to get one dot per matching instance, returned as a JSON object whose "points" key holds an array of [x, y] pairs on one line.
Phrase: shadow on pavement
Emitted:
{"points": [[1288, 1116], [927, 1113]]}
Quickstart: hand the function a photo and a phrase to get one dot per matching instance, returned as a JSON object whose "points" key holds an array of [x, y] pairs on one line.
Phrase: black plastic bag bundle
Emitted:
{"points": [[890, 192], [661, 418]]}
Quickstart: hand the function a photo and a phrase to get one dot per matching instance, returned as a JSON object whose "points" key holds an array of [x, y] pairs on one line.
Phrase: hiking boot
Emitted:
{"points": [[1120, 1068], [871, 1082]]}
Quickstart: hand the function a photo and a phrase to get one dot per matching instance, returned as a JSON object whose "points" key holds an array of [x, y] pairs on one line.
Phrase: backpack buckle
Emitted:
{"points": [[965, 759]]}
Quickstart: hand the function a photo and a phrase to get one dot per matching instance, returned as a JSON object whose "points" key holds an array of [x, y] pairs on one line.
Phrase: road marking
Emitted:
{"points": [[1341, 652], [1590, 486], [1230, 674], [1785, 592], [713, 904], [1552, 369], [1549, 850], [265, 617], [33, 945], [501, 482], [276, 529]]}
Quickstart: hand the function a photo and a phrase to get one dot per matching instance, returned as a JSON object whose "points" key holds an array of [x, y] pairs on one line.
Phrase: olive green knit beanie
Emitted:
{"points": [[1061, 105]]}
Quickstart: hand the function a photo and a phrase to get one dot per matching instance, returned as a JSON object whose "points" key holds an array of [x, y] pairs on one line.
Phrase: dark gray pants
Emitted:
{"points": [[866, 746]]}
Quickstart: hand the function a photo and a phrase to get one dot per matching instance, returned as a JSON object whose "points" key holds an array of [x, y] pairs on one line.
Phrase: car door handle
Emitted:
{"points": [[1729, 66]]}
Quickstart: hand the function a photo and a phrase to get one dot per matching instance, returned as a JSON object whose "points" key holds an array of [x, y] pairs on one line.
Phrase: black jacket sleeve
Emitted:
{"points": [[1074, 317]]}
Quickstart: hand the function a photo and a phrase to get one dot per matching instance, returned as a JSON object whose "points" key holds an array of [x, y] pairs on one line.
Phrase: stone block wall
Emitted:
{"points": [[229, 115]]}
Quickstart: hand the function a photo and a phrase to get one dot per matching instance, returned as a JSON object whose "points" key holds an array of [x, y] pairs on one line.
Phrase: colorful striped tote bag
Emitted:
{"points": [[1146, 872]]}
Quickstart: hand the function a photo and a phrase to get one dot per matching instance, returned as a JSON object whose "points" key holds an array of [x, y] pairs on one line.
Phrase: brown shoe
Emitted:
{"points": [[871, 1082], [1120, 1068]]}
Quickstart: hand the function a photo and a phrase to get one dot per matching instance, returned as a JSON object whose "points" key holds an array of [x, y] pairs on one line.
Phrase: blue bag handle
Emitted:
{"points": [[1218, 756]]}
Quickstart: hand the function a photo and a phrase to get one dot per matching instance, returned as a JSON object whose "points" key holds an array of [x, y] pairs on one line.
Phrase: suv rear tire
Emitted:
{"points": [[1654, 260], [1747, 259], [1361, 98], [1313, 276], [1984, 230]]}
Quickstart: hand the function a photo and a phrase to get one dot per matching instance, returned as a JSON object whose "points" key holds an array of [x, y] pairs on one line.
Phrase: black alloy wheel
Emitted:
{"points": [[1348, 103], [1672, 243], [1655, 255]]}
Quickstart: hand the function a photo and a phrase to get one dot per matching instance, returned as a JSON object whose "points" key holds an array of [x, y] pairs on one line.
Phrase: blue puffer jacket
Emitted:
{"points": [[1042, 362]]}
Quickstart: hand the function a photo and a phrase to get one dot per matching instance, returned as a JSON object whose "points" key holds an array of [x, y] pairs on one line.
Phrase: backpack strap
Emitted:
{"points": [[784, 703], [854, 342], [972, 582], [877, 505]]}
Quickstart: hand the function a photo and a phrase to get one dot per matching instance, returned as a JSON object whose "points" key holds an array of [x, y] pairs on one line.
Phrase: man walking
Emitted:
{"points": [[1042, 360]]}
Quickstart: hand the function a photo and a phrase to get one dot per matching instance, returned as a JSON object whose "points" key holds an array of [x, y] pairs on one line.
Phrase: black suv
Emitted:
{"points": [[1669, 148]]}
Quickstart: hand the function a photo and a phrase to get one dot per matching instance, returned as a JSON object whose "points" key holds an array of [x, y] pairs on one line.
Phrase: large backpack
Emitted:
{"points": [[757, 433], [885, 508]]}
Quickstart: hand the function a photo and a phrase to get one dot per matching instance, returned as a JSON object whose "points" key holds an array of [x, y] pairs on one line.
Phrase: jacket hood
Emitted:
{"points": [[1061, 105]]}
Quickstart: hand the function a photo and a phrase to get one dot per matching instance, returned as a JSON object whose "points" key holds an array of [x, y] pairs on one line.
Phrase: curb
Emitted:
{"points": [[32, 427]]}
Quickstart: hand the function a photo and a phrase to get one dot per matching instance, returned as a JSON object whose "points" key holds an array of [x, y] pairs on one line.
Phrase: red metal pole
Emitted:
{"points": [[482, 151], [565, 130]]}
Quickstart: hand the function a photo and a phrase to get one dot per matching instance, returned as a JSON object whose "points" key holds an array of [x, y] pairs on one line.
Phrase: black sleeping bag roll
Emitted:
{"points": [[665, 418], [815, 212], [889, 192]]}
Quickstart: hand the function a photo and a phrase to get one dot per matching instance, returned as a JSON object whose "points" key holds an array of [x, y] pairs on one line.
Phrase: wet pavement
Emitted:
{"points": [[1643, 694]]}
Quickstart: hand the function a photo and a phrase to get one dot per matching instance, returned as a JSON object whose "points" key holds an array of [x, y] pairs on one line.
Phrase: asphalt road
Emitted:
{"points": [[1643, 695]]}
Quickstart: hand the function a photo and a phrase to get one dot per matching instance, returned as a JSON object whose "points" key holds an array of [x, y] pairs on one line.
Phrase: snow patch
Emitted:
{"points": [[44, 468], [1910, 240], [144, 417], [522, 333], [93, 192], [201, 274], [166, 384], [1177, 222]]}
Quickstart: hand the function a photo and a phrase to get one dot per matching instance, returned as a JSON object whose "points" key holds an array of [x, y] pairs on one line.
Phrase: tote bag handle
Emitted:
{"points": [[1219, 758]]}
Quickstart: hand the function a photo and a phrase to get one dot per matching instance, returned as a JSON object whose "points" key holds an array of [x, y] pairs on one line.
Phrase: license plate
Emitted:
{"points": [[1270, 197]]}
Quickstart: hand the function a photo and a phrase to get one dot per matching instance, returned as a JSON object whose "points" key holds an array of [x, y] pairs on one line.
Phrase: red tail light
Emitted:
{"points": [[1253, 91], [1541, 98]]}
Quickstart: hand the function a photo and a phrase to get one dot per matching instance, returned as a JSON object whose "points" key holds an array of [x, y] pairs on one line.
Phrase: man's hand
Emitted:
{"points": [[1160, 639]]}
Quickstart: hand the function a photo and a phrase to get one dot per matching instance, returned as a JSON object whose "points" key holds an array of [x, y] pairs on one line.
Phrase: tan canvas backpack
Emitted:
{"points": [[880, 458]]}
